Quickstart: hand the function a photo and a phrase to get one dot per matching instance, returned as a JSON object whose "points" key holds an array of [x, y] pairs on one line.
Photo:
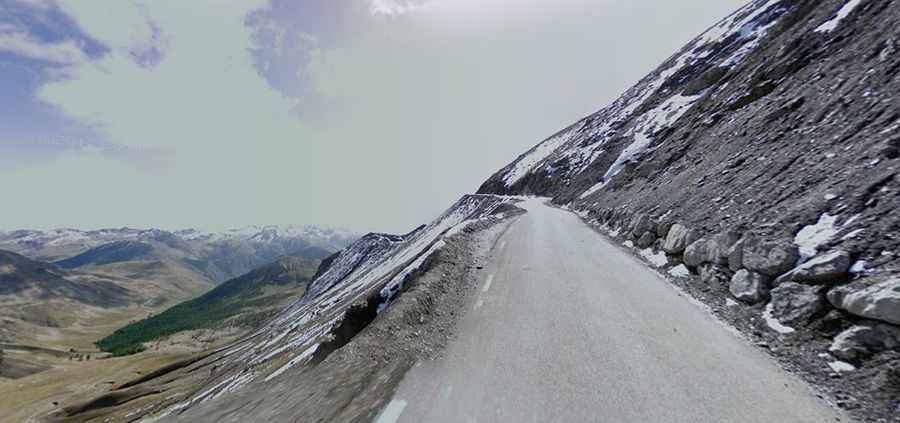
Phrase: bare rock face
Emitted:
{"points": [[678, 239], [795, 304], [863, 341], [749, 287], [771, 258], [875, 298], [829, 268]]}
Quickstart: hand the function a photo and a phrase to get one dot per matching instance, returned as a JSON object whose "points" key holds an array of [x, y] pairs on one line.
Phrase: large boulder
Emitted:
{"points": [[769, 257], [875, 298], [865, 340], [712, 250], [829, 268], [647, 239], [698, 252], [736, 256], [642, 224], [749, 287], [720, 246], [796, 304], [663, 225], [678, 238]]}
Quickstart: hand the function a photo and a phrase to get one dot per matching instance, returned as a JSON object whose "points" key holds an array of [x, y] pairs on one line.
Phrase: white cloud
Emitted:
{"points": [[394, 7], [412, 114], [62, 53]]}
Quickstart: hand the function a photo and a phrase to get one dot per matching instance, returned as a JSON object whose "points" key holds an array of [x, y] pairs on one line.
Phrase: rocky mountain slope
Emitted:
{"points": [[762, 158], [349, 291], [756, 167]]}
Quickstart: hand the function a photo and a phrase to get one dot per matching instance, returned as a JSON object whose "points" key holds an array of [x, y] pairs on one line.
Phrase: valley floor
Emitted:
{"points": [[568, 327]]}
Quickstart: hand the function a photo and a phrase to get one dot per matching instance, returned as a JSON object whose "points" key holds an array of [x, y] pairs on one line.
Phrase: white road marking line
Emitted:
{"points": [[487, 284], [392, 412]]}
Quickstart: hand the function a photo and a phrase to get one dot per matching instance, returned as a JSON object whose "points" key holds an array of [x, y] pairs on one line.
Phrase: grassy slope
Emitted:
{"points": [[244, 301]]}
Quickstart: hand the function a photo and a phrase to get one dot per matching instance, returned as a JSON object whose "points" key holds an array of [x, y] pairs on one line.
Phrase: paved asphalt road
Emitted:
{"points": [[568, 328]]}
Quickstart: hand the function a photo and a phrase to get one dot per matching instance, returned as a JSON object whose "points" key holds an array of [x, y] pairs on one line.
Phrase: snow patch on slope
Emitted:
{"points": [[833, 23], [534, 157]]}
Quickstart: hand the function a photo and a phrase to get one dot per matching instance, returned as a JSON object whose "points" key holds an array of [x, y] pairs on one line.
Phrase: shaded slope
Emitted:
{"points": [[357, 287], [244, 301], [26, 279]]}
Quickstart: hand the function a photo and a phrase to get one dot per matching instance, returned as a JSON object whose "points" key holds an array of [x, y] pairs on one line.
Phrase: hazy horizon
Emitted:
{"points": [[267, 113]]}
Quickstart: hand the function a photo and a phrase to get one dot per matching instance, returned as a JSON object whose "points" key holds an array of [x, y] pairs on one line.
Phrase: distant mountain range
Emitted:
{"points": [[59, 244], [67, 288]]}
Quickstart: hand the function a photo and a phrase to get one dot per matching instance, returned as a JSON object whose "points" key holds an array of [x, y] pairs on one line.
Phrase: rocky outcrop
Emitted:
{"points": [[769, 257], [876, 298], [795, 304], [863, 341], [749, 287]]}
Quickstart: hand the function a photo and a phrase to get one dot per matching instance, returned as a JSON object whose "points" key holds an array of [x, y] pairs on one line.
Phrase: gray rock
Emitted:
{"points": [[712, 250], [720, 247], [647, 239], [863, 341], [828, 268], [875, 298], [663, 225], [643, 223], [749, 287], [697, 253], [770, 258], [735, 256], [678, 238], [795, 304], [713, 274]]}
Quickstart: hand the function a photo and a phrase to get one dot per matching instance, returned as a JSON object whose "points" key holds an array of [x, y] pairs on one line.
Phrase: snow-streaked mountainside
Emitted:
{"points": [[351, 289], [761, 157], [758, 165], [628, 129]]}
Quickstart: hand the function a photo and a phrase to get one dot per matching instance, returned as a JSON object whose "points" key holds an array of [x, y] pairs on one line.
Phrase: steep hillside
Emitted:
{"points": [[762, 157], [117, 276], [341, 307], [45, 310], [243, 302], [28, 279]]}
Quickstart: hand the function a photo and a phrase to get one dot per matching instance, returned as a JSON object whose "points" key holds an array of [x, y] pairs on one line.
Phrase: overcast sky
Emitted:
{"points": [[373, 115]]}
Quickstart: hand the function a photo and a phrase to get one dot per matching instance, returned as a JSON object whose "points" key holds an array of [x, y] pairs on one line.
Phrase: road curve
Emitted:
{"points": [[569, 328]]}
